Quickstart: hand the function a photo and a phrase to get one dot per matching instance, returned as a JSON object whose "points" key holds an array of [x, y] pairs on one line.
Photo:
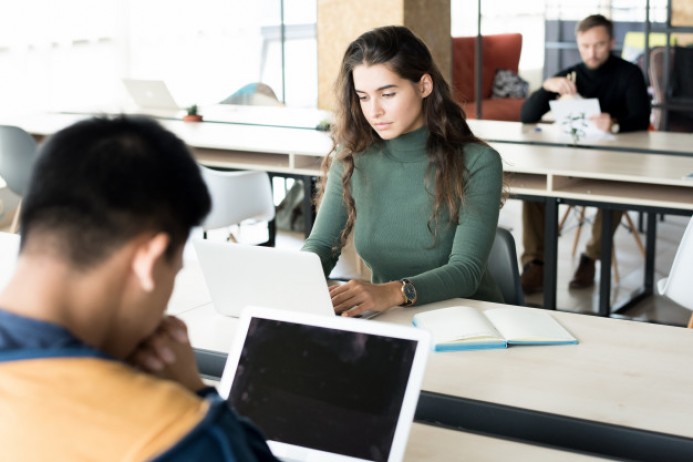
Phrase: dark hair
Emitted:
{"points": [[102, 181], [406, 55], [595, 20]]}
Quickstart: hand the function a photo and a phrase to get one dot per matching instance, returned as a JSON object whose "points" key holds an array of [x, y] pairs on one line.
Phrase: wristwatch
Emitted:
{"points": [[408, 292], [615, 127]]}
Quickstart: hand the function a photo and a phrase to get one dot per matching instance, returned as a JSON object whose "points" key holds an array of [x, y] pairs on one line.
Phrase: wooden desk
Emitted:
{"points": [[653, 183], [433, 444], [652, 142], [251, 147], [622, 372], [552, 174], [626, 381], [287, 151]]}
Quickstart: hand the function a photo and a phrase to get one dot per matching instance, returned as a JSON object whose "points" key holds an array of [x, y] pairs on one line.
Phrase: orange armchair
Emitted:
{"points": [[499, 51]]}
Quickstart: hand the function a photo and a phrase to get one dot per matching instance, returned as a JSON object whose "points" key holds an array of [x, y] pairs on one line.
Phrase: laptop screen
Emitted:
{"points": [[332, 390]]}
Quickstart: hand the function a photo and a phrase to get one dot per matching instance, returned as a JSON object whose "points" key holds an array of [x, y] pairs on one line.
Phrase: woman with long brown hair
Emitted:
{"points": [[419, 191]]}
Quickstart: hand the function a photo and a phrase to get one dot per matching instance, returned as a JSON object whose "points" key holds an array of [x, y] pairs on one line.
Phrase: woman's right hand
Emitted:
{"points": [[355, 297]]}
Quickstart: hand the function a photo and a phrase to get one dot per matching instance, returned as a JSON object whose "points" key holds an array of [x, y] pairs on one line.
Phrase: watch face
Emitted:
{"points": [[409, 291]]}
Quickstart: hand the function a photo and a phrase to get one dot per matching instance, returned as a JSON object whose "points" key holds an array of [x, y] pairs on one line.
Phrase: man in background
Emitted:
{"points": [[620, 88], [91, 369]]}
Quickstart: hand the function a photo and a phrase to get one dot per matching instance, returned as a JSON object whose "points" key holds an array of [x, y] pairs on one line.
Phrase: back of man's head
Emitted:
{"points": [[103, 181], [595, 20]]}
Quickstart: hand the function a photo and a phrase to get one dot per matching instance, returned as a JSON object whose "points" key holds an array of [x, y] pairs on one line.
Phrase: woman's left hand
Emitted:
{"points": [[355, 297]]}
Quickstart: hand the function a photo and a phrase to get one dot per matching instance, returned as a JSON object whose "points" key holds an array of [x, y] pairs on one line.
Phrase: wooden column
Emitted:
{"points": [[682, 16], [342, 21]]}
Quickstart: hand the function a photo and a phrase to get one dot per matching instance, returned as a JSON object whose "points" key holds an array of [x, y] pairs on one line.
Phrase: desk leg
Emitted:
{"points": [[650, 251], [550, 253], [605, 269]]}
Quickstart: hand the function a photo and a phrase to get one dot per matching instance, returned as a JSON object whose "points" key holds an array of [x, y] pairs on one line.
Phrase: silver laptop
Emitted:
{"points": [[239, 275], [326, 388], [152, 96]]}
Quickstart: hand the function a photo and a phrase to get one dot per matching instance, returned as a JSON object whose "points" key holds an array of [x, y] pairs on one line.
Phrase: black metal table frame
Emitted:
{"points": [[551, 247]]}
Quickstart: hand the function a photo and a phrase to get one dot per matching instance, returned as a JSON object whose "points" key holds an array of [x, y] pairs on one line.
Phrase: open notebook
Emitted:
{"points": [[326, 388]]}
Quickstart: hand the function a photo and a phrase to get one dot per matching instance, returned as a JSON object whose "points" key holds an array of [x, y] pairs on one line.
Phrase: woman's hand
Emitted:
{"points": [[167, 353], [355, 297]]}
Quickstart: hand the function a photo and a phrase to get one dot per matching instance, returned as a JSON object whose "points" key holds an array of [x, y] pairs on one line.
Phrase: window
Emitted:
{"points": [[203, 50]]}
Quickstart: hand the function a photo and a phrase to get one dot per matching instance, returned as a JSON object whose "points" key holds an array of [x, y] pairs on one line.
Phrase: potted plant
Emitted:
{"points": [[192, 115]]}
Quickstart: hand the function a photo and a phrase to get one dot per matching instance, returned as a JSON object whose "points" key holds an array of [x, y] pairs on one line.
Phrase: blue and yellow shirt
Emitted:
{"points": [[62, 400]]}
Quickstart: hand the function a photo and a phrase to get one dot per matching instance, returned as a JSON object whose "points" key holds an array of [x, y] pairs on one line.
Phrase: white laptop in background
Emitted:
{"points": [[152, 97], [326, 388], [239, 275]]}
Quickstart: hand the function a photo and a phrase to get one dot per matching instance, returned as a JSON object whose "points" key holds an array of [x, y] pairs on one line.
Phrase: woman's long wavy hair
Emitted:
{"points": [[406, 55]]}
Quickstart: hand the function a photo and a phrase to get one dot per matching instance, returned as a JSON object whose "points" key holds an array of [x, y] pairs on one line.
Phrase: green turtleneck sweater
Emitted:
{"points": [[393, 209]]}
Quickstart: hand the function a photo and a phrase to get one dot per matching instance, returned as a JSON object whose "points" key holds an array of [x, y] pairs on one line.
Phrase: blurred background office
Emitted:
{"points": [[74, 53]]}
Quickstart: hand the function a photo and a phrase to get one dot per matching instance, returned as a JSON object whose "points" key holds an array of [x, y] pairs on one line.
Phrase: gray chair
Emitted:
{"points": [[502, 264], [18, 151]]}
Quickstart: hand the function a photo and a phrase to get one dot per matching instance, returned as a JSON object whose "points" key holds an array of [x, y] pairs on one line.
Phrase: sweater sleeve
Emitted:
{"points": [[534, 107], [637, 104], [329, 222], [465, 271]]}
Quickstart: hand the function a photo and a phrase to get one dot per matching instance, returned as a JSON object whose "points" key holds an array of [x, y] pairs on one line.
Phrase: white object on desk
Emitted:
{"points": [[574, 115], [326, 388], [240, 275], [466, 328]]}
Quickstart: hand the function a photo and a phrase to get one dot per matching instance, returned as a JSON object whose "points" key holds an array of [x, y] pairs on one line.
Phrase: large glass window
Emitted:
{"points": [[73, 54]]}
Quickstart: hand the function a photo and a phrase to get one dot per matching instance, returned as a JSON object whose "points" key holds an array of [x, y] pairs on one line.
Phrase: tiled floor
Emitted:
{"points": [[630, 264]]}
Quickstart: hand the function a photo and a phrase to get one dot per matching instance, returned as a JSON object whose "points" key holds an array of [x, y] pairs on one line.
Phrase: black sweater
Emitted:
{"points": [[617, 84]]}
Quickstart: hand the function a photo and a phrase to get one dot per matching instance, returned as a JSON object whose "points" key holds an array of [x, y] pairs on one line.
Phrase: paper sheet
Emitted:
{"points": [[572, 118]]}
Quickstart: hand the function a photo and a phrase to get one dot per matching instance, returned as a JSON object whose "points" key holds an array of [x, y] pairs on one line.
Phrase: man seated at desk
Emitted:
{"points": [[620, 88], [109, 209]]}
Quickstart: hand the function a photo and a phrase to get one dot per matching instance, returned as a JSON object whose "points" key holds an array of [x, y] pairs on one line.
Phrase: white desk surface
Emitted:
{"points": [[254, 147], [437, 444], [641, 141], [208, 330], [596, 175], [555, 171], [622, 372]]}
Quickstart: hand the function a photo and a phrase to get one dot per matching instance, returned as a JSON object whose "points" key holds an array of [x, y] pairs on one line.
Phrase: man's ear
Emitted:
{"points": [[425, 85], [148, 252]]}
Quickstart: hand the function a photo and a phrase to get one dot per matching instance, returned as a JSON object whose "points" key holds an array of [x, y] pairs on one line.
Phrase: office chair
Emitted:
{"points": [[677, 286], [503, 267], [238, 197], [18, 151]]}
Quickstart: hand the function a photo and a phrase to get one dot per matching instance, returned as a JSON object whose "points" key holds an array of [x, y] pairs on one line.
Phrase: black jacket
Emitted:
{"points": [[618, 85]]}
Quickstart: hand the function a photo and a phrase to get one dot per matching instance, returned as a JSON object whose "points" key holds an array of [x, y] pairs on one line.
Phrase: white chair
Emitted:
{"points": [[677, 286], [18, 151], [238, 197]]}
